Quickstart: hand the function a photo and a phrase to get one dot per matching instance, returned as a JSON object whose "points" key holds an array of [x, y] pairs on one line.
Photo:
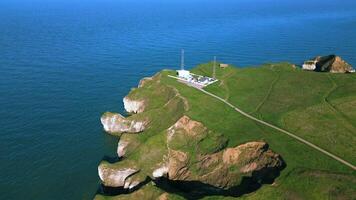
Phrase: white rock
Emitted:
{"points": [[160, 172], [133, 106], [115, 123], [110, 123], [130, 184], [137, 126], [134, 184], [127, 183], [121, 148], [114, 177]]}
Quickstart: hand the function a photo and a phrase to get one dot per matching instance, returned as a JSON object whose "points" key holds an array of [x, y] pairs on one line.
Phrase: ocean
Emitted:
{"points": [[65, 62]]}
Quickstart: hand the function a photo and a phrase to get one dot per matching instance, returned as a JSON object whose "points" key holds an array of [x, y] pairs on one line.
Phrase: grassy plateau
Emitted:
{"points": [[318, 107]]}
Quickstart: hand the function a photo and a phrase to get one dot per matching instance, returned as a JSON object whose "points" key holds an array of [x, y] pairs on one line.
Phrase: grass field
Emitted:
{"points": [[319, 107]]}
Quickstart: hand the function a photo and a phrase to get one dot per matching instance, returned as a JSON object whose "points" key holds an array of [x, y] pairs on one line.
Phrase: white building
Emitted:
{"points": [[184, 74]]}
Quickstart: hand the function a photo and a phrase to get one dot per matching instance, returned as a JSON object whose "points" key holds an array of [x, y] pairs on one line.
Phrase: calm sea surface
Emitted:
{"points": [[64, 62]]}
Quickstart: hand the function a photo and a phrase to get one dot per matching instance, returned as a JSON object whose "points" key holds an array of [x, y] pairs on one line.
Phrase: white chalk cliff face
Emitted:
{"points": [[130, 184], [116, 123], [133, 106], [121, 148], [160, 172], [117, 178], [222, 169]]}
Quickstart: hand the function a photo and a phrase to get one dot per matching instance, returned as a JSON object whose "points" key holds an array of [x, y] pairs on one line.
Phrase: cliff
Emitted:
{"points": [[192, 146], [190, 153], [167, 147], [196, 154], [115, 123]]}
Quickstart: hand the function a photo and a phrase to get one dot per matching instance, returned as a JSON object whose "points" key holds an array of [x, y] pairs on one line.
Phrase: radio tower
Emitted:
{"points": [[214, 73], [182, 60]]}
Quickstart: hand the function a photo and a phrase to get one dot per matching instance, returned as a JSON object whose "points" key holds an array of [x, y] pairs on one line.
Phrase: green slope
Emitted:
{"points": [[319, 107]]}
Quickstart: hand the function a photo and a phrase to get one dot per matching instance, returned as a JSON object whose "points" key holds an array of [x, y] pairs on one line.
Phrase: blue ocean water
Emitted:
{"points": [[65, 62]]}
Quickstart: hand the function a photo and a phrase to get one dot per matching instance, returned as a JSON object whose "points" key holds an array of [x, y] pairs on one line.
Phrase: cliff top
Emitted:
{"points": [[316, 106]]}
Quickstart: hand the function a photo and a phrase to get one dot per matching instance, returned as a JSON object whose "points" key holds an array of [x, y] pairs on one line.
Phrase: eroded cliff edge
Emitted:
{"points": [[159, 143]]}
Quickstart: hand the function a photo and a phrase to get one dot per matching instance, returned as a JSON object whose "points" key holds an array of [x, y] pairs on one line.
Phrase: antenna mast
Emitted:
{"points": [[182, 60], [214, 73]]}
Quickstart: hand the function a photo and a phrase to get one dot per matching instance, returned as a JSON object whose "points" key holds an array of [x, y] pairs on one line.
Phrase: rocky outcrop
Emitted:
{"points": [[178, 165], [222, 169], [121, 148], [116, 177], [116, 123], [160, 172], [133, 106], [186, 125], [192, 156], [255, 156], [330, 63], [130, 183]]}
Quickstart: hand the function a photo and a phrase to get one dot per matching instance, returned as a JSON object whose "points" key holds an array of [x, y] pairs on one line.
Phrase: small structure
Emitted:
{"points": [[310, 65], [222, 65], [204, 80], [192, 79]]}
